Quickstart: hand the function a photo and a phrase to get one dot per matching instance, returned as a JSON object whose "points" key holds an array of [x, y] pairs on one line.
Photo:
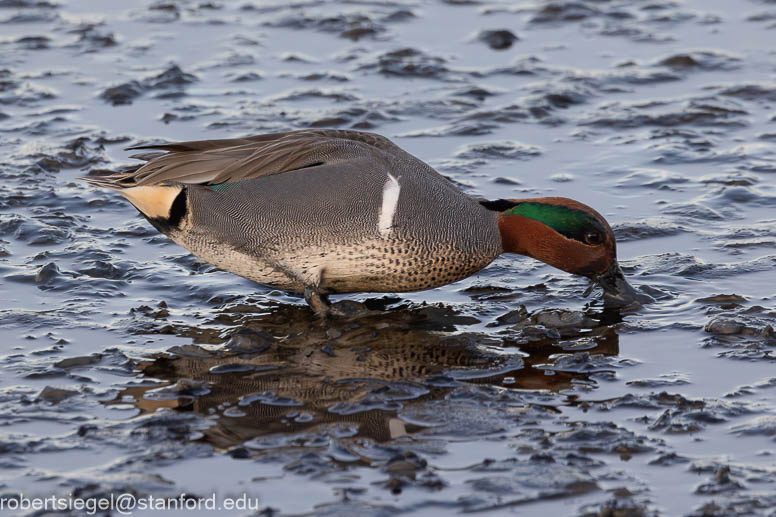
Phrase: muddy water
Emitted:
{"points": [[130, 366]]}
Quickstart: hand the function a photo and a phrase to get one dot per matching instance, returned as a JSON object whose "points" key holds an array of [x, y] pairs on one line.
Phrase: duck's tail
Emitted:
{"points": [[154, 201]]}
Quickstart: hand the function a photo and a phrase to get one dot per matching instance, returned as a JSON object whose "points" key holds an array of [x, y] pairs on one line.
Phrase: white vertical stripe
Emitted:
{"points": [[390, 202]]}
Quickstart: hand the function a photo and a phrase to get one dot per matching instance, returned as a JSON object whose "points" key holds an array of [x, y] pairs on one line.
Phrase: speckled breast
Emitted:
{"points": [[376, 266]]}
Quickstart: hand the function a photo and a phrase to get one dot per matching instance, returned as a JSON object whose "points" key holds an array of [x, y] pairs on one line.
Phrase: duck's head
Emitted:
{"points": [[568, 235]]}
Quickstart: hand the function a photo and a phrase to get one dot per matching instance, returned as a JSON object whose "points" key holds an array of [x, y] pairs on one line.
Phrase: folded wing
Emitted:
{"points": [[212, 162]]}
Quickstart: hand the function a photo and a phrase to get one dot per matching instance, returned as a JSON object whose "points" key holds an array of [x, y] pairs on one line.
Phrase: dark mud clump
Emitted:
{"points": [[555, 12], [409, 62], [639, 230], [762, 92], [170, 83], [353, 26], [701, 60], [746, 332], [92, 39], [503, 150], [75, 154], [699, 112], [497, 39]]}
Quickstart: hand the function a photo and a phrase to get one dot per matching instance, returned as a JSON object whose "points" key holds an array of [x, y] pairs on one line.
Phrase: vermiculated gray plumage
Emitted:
{"points": [[300, 209]]}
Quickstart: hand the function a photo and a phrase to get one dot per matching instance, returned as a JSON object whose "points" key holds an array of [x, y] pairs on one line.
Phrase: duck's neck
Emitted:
{"points": [[522, 235]]}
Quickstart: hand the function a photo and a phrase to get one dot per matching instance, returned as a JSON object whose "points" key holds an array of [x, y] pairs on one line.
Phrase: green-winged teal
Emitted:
{"points": [[330, 211]]}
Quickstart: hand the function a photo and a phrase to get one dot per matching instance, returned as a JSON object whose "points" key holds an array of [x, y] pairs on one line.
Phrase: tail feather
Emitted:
{"points": [[115, 181]]}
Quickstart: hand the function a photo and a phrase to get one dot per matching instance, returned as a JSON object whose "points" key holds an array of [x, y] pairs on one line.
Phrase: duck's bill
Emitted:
{"points": [[617, 291]]}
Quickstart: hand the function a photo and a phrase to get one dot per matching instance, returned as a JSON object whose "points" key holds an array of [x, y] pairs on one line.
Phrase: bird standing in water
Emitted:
{"points": [[320, 212]]}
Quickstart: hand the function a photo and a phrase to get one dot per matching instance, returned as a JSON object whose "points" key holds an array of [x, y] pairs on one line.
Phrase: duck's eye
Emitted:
{"points": [[593, 238]]}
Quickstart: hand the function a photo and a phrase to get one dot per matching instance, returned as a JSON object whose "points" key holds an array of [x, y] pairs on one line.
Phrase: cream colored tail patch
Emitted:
{"points": [[154, 202]]}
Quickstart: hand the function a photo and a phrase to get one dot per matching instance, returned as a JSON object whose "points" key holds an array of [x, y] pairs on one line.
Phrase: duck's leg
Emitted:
{"points": [[318, 302]]}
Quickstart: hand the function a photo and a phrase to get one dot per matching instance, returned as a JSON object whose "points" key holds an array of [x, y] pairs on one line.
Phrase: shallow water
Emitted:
{"points": [[130, 366]]}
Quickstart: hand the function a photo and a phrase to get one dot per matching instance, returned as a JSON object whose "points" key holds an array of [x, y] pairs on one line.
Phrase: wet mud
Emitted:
{"points": [[129, 365]]}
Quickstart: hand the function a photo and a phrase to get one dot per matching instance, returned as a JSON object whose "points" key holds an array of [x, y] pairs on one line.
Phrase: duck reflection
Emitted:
{"points": [[286, 372]]}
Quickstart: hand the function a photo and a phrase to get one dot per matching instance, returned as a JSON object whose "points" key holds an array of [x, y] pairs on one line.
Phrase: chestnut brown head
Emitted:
{"points": [[568, 235]]}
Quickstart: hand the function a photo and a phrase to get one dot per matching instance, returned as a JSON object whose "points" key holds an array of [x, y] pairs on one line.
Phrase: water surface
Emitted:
{"points": [[130, 366]]}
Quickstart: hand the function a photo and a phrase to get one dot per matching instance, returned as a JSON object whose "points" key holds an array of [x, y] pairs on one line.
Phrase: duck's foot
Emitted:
{"points": [[318, 303]]}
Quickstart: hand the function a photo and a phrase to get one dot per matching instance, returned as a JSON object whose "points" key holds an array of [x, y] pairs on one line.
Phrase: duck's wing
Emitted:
{"points": [[212, 162]]}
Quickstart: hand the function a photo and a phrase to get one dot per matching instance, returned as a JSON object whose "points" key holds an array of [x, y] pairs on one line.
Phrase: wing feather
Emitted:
{"points": [[212, 162]]}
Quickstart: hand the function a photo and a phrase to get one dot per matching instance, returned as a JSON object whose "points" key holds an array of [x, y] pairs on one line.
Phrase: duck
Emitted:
{"points": [[326, 211]]}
